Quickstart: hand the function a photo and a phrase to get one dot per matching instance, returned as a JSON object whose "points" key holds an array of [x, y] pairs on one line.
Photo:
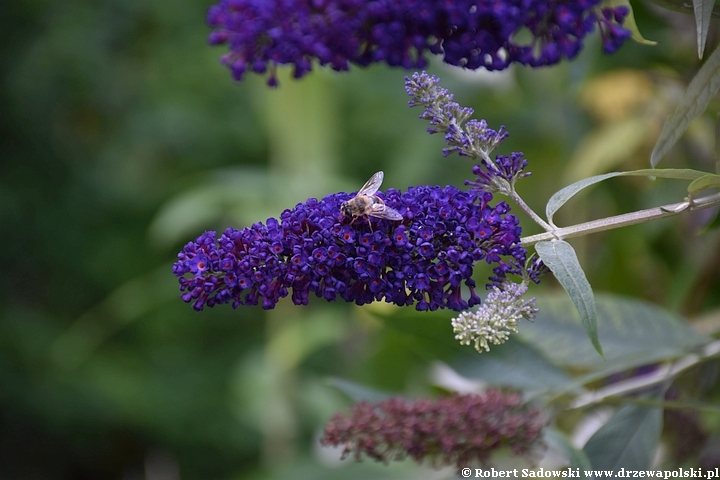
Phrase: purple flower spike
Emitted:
{"points": [[264, 33], [472, 139], [426, 259]]}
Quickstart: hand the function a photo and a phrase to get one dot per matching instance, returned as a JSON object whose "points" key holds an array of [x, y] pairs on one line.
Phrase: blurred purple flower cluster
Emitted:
{"points": [[467, 33], [459, 430]]}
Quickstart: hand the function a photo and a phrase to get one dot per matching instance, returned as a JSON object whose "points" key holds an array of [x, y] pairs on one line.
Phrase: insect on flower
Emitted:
{"points": [[367, 203]]}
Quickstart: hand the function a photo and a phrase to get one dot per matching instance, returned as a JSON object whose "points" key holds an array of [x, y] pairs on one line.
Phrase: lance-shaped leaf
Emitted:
{"points": [[563, 195], [682, 6], [703, 12], [358, 392], [627, 441], [559, 442], [703, 183], [701, 90], [560, 258]]}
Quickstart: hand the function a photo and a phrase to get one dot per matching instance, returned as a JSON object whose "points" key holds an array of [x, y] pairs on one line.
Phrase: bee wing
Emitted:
{"points": [[372, 185], [380, 210]]}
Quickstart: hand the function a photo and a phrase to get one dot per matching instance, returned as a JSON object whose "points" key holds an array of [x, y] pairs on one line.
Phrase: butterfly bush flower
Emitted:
{"points": [[427, 259], [459, 430], [496, 319], [472, 139], [261, 34]]}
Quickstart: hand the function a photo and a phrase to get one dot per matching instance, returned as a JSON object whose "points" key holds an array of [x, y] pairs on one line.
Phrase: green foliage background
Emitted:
{"points": [[123, 138]]}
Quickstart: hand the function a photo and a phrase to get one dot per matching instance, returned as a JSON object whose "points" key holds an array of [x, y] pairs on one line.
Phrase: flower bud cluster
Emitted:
{"points": [[496, 319], [472, 139], [459, 430]]}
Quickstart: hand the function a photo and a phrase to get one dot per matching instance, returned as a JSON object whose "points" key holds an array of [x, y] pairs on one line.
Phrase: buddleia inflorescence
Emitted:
{"points": [[423, 260], [426, 259], [498, 316], [262, 34], [458, 430]]}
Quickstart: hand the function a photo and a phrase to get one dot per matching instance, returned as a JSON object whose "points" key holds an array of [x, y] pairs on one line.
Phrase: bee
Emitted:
{"points": [[367, 203]]}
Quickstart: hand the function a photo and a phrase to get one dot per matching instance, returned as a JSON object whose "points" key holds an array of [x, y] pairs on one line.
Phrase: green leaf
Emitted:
{"points": [[560, 197], [607, 147], [559, 442], [682, 6], [635, 333], [210, 201], [560, 258], [125, 305], [294, 341], [428, 335], [563, 195], [628, 440], [701, 90], [358, 392], [629, 22], [703, 183], [408, 342], [703, 12], [716, 149], [518, 365]]}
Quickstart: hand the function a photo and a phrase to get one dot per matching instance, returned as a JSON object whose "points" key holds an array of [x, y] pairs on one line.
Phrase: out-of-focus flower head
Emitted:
{"points": [[459, 430], [264, 33], [426, 259]]}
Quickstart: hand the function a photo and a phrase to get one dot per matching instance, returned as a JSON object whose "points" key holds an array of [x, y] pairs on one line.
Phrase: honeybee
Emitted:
{"points": [[367, 203]]}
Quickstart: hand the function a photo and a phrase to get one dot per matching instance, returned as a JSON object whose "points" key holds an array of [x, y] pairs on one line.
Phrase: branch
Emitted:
{"points": [[665, 372], [633, 218]]}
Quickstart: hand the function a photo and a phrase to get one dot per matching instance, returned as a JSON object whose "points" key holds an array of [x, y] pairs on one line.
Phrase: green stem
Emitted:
{"points": [[664, 373], [526, 208], [633, 218]]}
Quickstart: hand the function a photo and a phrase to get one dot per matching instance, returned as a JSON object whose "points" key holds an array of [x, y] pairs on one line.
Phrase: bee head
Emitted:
{"points": [[345, 209]]}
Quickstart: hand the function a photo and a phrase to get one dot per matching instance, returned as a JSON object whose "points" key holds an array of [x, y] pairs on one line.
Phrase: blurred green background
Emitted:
{"points": [[123, 138]]}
